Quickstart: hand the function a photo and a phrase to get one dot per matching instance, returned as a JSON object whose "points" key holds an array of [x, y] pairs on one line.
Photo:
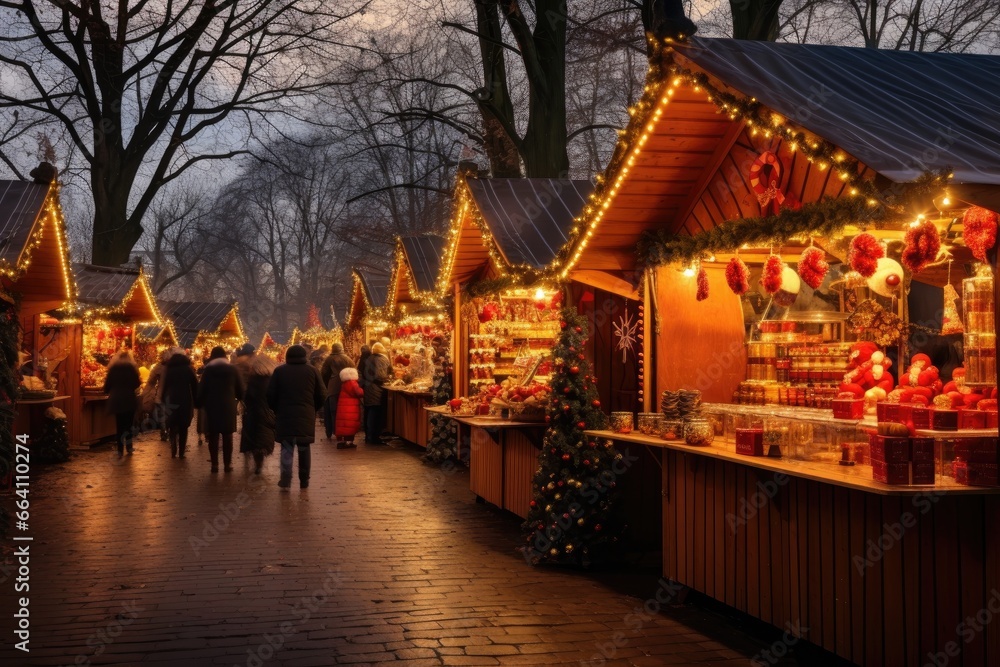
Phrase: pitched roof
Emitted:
{"points": [[103, 286], [424, 254], [191, 317], [21, 203], [530, 218], [902, 113], [376, 286]]}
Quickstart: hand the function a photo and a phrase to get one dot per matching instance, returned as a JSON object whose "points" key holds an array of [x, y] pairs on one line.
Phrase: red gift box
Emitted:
{"points": [[976, 450], [848, 408], [922, 473], [887, 449], [982, 474], [944, 420], [887, 412], [960, 471], [890, 473], [922, 450], [920, 415], [991, 419], [968, 418], [750, 441]]}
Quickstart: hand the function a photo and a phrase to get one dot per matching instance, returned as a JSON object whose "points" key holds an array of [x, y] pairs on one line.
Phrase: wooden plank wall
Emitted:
{"points": [[799, 554], [520, 463], [485, 467]]}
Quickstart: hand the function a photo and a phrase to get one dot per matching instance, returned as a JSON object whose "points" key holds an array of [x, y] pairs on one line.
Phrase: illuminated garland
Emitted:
{"points": [[824, 218]]}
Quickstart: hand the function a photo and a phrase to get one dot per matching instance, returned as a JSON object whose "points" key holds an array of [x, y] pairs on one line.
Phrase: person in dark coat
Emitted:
{"points": [[120, 385], [257, 437], [332, 366], [219, 390], [179, 387], [295, 393], [152, 393], [366, 354], [349, 408], [376, 373]]}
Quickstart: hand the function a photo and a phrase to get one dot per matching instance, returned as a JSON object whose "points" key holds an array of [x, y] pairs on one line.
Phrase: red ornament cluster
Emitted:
{"points": [[770, 279], [921, 246], [738, 276], [980, 231], [866, 251], [813, 267]]}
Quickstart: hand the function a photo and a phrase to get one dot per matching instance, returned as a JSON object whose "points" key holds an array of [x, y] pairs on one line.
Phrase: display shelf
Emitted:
{"points": [[854, 477]]}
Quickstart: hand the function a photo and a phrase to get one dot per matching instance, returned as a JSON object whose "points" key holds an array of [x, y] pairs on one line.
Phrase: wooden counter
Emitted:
{"points": [[877, 575], [503, 457], [405, 415]]}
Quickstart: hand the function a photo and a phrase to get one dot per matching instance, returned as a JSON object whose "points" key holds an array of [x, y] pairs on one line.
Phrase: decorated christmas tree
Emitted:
{"points": [[443, 442], [53, 446], [569, 519], [9, 381], [312, 318]]}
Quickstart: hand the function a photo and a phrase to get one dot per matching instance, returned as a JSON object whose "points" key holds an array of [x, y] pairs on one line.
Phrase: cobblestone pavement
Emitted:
{"points": [[383, 560]]}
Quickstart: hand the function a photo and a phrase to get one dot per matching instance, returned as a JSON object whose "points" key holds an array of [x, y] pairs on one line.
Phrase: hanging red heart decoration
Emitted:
{"points": [[770, 279], [921, 246], [980, 231], [865, 253]]}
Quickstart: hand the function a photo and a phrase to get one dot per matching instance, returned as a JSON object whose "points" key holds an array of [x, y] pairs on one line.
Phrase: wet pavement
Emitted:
{"points": [[150, 560]]}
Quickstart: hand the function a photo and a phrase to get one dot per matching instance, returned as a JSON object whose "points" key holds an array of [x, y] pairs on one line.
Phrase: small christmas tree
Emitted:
{"points": [[312, 318], [9, 381], [443, 442], [53, 446], [569, 518]]}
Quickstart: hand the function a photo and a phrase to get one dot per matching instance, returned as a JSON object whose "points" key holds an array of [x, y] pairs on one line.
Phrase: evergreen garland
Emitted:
{"points": [[495, 286], [443, 442], [824, 218], [570, 516]]}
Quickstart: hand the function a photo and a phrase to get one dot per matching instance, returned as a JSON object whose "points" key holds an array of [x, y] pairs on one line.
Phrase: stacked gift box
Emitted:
{"points": [[976, 462], [902, 460]]}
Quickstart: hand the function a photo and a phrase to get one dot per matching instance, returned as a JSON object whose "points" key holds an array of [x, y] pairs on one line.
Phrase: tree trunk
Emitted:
{"points": [[114, 233], [755, 19], [495, 104], [545, 138]]}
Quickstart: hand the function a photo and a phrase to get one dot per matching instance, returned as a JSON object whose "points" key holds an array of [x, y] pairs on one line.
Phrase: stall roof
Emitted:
{"points": [[104, 290], [529, 218], [682, 164], [194, 317], [370, 290], [279, 337], [423, 255], [887, 108], [152, 332], [33, 248], [376, 285]]}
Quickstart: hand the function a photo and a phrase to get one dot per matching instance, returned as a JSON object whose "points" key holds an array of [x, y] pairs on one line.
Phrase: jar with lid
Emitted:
{"points": [[698, 431]]}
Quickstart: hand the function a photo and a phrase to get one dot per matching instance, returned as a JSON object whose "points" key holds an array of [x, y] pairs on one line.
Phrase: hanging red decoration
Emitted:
{"points": [[813, 267], [738, 276], [489, 312], [921, 246], [765, 179], [702, 284], [980, 231], [770, 279], [865, 253]]}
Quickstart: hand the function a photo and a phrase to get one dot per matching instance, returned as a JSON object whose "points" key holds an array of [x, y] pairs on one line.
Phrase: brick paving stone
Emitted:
{"points": [[382, 561]]}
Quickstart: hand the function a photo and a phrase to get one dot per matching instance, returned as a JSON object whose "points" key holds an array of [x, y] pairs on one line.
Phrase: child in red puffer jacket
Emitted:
{"points": [[349, 410]]}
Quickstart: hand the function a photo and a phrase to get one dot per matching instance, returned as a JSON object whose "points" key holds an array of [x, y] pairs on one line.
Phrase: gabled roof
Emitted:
{"points": [[21, 205], [369, 292], [154, 332], [376, 286], [423, 255], [529, 218], [902, 113], [279, 337], [105, 290], [191, 318]]}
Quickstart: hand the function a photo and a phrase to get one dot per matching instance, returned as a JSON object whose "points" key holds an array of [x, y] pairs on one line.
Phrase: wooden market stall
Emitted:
{"points": [[275, 343], [112, 303], [742, 161], [35, 280], [366, 320], [201, 325], [503, 234], [152, 340], [419, 318]]}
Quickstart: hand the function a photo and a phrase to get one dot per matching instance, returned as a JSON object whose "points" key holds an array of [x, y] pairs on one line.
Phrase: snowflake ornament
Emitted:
{"points": [[626, 332]]}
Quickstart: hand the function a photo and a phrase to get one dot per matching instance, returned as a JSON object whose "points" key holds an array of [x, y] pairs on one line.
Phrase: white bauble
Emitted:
{"points": [[887, 279]]}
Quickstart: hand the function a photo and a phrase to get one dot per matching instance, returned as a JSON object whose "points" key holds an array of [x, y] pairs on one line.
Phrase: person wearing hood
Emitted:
{"points": [[152, 393], [348, 408], [243, 360], [218, 392], [376, 373], [332, 367], [179, 387], [257, 436], [120, 385], [295, 393]]}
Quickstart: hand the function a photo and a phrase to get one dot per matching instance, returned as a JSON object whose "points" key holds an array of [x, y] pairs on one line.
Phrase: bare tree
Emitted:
{"points": [[145, 90], [175, 244]]}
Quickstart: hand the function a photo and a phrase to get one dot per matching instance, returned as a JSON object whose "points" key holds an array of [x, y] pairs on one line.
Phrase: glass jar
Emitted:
{"points": [[649, 423], [621, 422], [672, 429], [699, 432]]}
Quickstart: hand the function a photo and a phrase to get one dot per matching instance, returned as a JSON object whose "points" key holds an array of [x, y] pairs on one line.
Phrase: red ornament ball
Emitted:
{"points": [[595, 403], [574, 369], [565, 457], [578, 329], [562, 325], [533, 504], [566, 407], [892, 280], [597, 527], [581, 425], [566, 390], [586, 462]]}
